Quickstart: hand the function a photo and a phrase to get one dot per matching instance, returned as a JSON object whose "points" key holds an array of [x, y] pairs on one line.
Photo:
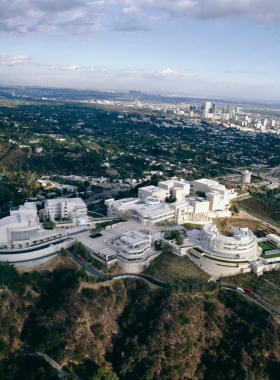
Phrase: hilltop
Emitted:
{"points": [[127, 330]]}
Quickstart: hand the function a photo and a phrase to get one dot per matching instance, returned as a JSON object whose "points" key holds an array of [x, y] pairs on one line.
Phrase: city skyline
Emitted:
{"points": [[200, 48]]}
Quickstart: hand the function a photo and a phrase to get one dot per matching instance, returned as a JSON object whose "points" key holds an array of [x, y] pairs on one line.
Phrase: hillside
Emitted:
{"points": [[126, 330]]}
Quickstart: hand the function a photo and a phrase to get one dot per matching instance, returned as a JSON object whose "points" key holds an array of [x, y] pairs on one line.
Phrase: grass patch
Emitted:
{"points": [[194, 256], [198, 250], [217, 222], [95, 215], [95, 236], [170, 268], [108, 223], [266, 247], [265, 256], [188, 226], [266, 286]]}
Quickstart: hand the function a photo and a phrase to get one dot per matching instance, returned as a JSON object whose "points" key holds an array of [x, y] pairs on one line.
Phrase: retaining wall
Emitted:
{"points": [[10, 257], [136, 267]]}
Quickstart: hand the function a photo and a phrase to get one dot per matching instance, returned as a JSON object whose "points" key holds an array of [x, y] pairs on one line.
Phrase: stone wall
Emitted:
{"points": [[28, 255], [136, 267]]}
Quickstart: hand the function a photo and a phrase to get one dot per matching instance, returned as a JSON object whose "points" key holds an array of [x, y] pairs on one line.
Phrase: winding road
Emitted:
{"points": [[161, 284]]}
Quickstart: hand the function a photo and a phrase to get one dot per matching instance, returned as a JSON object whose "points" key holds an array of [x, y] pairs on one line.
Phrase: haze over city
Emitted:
{"points": [[199, 48]]}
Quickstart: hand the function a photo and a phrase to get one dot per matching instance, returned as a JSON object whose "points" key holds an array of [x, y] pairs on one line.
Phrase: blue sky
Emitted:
{"points": [[221, 48]]}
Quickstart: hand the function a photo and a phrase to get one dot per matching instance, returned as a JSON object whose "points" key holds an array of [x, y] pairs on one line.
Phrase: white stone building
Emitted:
{"points": [[133, 247], [71, 209], [218, 195], [147, 212], [150, 206], [22, 224], [222, 255]]}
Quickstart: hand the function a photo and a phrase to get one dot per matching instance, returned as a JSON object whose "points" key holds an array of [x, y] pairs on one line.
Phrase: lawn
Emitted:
{"points": [[189, 226], [217, 222], [266, 286], [170, 268], [95, 214], [264, 256], [266, 247]]}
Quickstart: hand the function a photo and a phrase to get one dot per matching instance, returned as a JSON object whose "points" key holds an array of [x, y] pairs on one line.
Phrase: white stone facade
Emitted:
{"points": [[22, 224], [64, 208], [218, 195]]}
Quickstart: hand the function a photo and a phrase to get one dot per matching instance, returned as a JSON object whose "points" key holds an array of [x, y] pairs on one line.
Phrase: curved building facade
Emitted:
{"points": [[242, 245], [222, 255]]}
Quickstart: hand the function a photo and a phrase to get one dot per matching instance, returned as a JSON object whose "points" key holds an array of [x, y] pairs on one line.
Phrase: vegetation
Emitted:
{"points": [[27, 368], [267, 286], [49, 225], [158, 334], [234, 208], [190, 226], [174, 235], [263, 209], [80, 250], [174, 269], [170, 199]]}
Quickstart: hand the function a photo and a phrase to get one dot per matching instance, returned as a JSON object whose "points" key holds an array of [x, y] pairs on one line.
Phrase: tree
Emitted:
{"points": [[234, 208], [73, 376], [64, 252], [179, 240]]}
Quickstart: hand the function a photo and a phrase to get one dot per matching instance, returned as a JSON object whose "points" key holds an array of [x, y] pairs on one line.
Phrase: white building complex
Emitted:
{"points": [[22, 224], [71, 209], [23, 239], [218, 195], [151, 207], [134, 248], [222, 255], [148, 212]]}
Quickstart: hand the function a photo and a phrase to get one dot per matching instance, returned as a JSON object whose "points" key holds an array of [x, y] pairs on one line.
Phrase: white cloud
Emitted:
{"points": [[12, 59], [167, 73], [71, 67], [260, 11], [84, 17], [100, 70], [155, 18]]}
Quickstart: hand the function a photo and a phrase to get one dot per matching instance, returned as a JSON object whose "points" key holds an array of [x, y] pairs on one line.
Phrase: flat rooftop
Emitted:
{"points": [[134, 238]]}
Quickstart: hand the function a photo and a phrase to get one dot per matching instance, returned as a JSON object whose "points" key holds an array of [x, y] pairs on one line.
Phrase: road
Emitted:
{"points": [[161, 284], [95, 273], [55, 365], [254, 297]]}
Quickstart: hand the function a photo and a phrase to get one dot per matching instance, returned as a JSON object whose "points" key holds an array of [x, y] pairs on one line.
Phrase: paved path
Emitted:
{"points": [[96, 273], [55, 365]]}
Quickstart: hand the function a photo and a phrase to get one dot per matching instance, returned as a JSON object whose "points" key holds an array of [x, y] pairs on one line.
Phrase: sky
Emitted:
{"points": [[215, 48]]}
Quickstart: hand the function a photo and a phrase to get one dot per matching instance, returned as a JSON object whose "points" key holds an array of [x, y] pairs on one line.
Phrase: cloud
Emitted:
{"points": [[53, 16], [168, 74], [71, 67], [131, 25], [155, 18], [84, 17], [257, 10], [12, 59], [100, 70]]}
